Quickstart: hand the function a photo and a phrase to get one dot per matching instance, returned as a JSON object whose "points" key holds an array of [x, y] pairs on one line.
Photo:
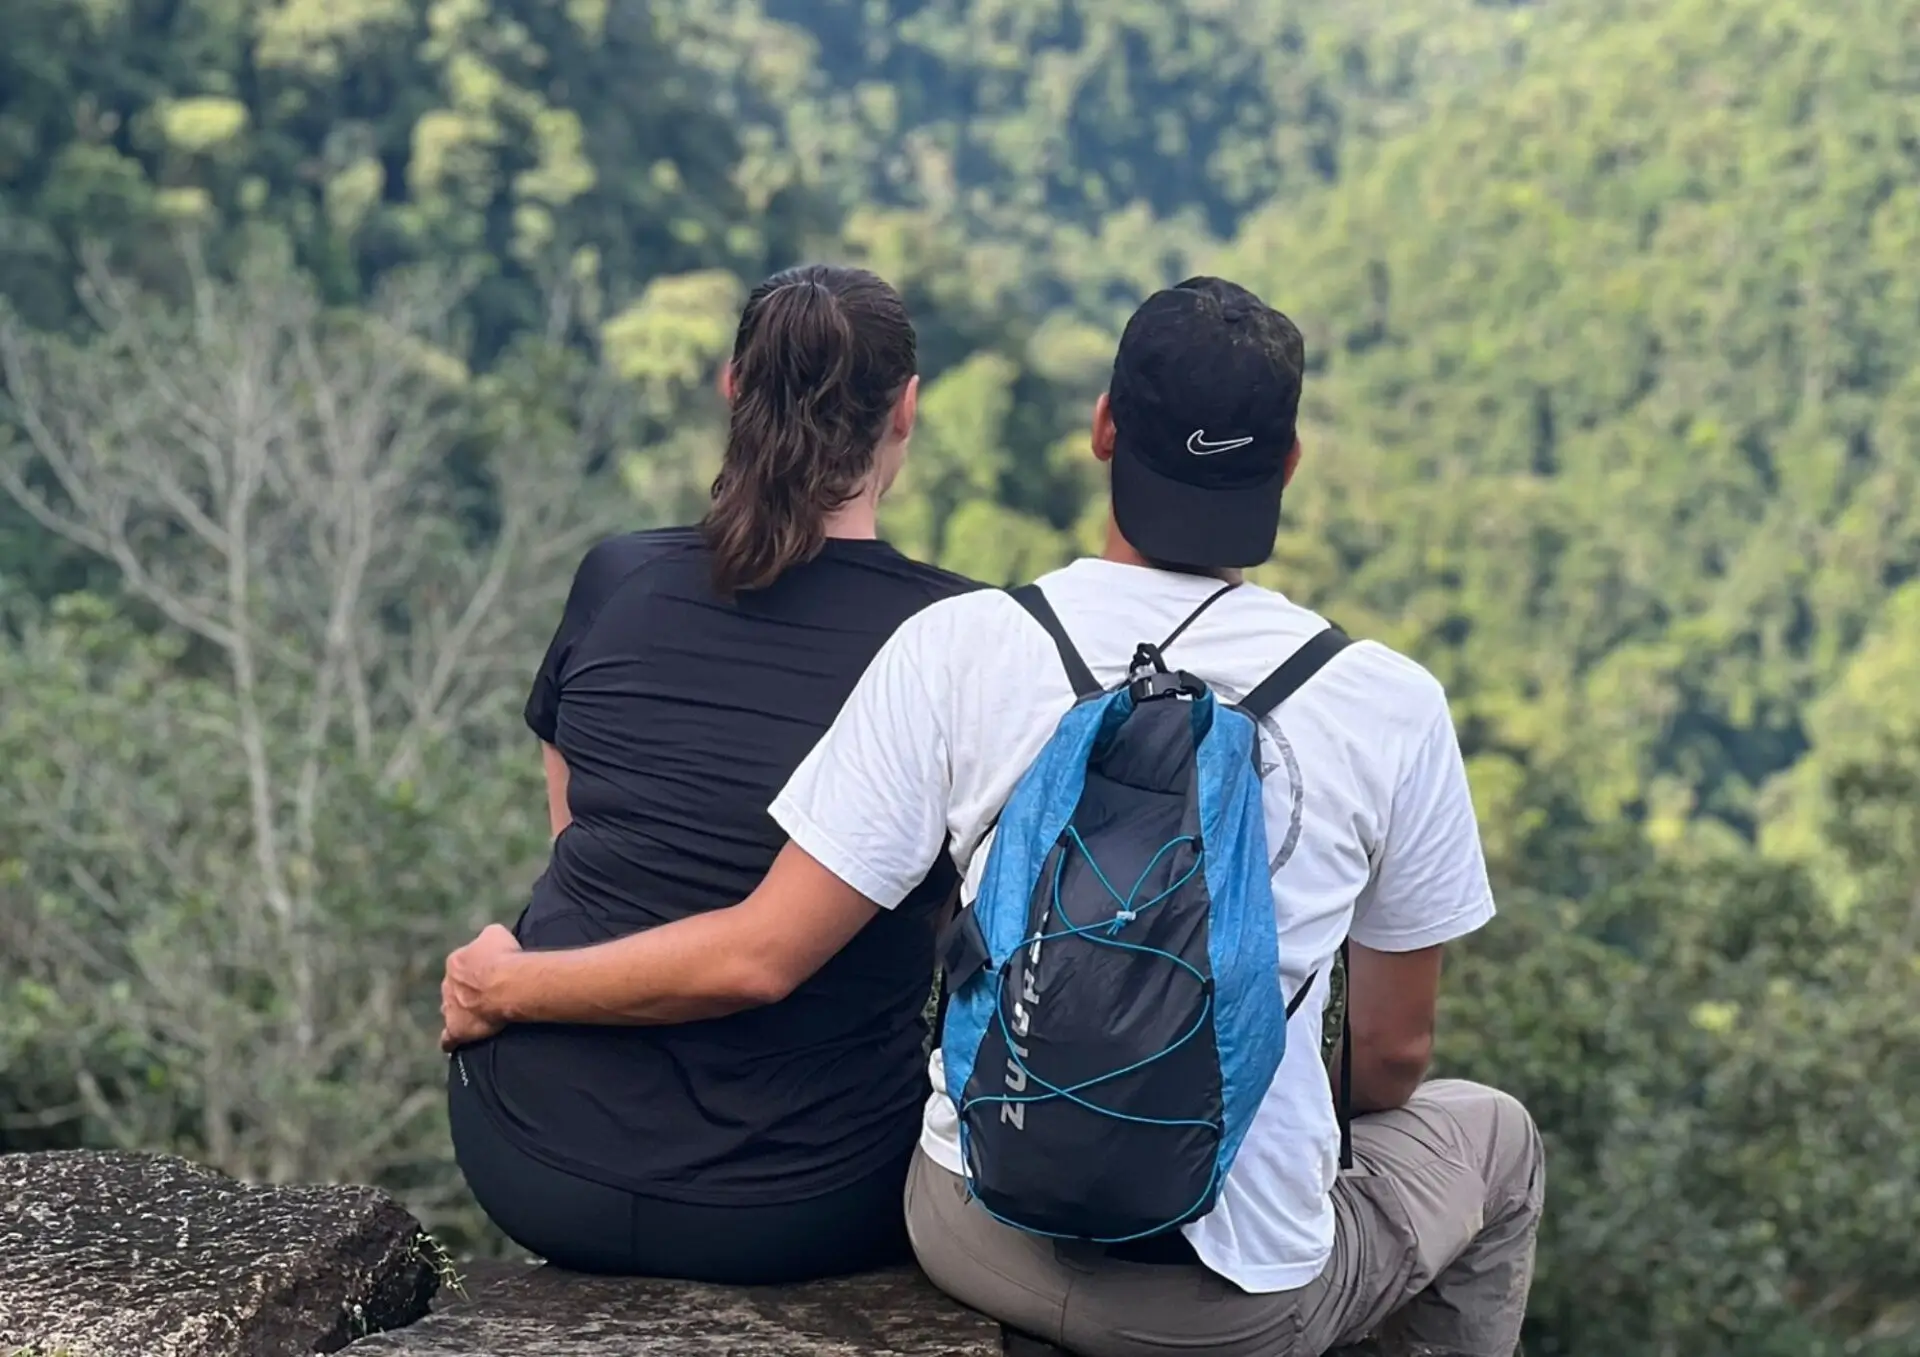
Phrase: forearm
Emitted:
{"points": [[704, 966], [699, 967]]}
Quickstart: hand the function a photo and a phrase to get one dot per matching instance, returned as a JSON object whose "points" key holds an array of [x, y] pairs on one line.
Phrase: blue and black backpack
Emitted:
{"points": [[1113, 1006]]}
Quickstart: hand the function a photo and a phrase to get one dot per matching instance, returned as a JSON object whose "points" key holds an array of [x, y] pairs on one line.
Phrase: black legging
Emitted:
{"points": [[585, 1226]]}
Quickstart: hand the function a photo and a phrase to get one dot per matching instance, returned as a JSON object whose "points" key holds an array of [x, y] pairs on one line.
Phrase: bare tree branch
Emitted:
{"points": [[316, 499]]}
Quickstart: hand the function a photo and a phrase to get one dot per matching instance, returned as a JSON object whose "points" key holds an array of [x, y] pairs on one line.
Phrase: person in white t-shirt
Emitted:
{"points": [[1373, 837]]}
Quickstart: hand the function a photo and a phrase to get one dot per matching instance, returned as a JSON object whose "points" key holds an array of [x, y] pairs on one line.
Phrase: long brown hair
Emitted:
{"points": [[820, 359]]}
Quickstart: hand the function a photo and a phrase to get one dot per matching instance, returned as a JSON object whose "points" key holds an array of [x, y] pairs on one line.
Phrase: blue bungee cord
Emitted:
{"points": [[1126, 914]]}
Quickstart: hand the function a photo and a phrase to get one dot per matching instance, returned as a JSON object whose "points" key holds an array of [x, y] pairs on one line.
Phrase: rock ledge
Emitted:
{"points": [[542, 1312], [130, 1255]]}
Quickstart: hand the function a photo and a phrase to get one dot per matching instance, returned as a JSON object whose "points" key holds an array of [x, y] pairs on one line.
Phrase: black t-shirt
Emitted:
{"points": [[681, 714]]}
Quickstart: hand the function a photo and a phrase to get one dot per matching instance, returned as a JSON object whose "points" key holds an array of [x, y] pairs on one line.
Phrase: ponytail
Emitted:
{"points": [[820, 358]]}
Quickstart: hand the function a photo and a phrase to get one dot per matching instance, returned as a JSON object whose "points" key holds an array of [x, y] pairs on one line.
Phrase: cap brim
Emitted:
{"points": [[1180, 524]]}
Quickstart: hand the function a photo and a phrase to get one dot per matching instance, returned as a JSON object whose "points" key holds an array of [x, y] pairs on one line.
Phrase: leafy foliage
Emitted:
{"points": [[1612, 422], [1622, 438]]}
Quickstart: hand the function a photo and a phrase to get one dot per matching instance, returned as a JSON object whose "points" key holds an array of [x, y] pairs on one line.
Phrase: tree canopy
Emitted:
{"points": [[330, 330]]}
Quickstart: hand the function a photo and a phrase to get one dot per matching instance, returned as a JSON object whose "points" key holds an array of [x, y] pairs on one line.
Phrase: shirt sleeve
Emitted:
{"points": [[600, 573], [1429, 884], [869, 803]]}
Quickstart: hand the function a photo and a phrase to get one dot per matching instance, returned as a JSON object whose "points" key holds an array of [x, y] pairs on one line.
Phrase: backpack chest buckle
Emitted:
{"points": [[1148, 678], [1178, 683]]}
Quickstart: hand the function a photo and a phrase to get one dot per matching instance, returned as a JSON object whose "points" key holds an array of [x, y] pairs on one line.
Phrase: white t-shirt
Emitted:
{"points": [[1368, 819]]}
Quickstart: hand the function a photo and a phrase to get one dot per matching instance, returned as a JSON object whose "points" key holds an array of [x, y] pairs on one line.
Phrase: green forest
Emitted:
{"points": [[332, 331]]}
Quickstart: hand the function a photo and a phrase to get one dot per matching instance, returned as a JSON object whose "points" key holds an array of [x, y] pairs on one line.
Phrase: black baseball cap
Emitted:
{"points": [[1205, 402]]}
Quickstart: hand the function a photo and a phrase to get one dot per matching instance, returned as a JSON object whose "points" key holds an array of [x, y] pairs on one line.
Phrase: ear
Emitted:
{"points": [[1103, 433], [1291, 465], [724, 382], [906, 410]]}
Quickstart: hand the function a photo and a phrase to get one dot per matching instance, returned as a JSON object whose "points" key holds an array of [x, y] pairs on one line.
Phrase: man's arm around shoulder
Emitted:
{"points": [[866, 817], [707, 966]]}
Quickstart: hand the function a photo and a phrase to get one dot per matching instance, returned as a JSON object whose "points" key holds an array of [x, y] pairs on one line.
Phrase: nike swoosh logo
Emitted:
{"points": [[1198, 445]]}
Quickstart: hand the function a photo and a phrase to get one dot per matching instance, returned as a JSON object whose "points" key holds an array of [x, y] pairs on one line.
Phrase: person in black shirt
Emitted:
{"points": [[767, 1138]]}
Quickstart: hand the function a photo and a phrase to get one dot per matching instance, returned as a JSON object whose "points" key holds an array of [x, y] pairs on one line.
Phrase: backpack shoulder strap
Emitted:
{"points": [[1276, 688], [1035, 602], [1291, 676], [1343, 1096]]}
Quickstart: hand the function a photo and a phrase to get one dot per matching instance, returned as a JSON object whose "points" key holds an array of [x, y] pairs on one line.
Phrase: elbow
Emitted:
{"points": [[1389, 1078], [1404, 1071], [756, 982]]}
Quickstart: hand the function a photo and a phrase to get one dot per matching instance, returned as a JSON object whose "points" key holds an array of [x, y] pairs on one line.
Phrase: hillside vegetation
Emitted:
{"points": [[332, 330]]}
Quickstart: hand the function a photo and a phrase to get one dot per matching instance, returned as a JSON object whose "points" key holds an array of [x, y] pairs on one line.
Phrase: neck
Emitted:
{"points": [[1120, 551], [858, 519]]}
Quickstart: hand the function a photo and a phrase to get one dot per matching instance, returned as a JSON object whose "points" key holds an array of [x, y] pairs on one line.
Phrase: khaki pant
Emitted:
{"points": [[1435, 1227]]}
